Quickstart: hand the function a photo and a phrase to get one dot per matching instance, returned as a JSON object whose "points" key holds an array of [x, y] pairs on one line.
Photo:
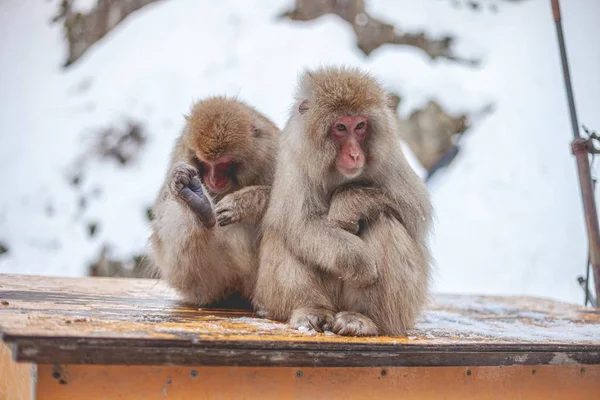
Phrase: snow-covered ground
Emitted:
{"points": [[509, 215]]}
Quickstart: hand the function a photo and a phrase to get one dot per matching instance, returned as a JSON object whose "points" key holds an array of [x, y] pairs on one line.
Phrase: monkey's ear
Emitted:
{"points": [[303, 107], [187, 117], [393, 101], [255, 131]]}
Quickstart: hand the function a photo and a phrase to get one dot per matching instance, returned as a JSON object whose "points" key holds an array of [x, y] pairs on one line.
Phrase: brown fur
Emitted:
{"points": [[206, 263], [314, 272]]}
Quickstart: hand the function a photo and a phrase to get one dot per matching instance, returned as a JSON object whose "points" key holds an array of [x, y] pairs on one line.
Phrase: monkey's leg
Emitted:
{"points": [[350, 323], [400, 292], [287, 290]]}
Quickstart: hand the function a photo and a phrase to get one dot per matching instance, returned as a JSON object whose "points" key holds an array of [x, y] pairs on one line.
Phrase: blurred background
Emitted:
{"points": [[93, 92]]}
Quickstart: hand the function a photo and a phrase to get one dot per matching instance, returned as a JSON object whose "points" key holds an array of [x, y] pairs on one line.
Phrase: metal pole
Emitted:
{"points": [[580, 149]]}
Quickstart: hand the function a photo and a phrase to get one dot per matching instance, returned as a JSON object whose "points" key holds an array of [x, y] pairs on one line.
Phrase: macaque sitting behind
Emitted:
{"points": [[225, 148]]}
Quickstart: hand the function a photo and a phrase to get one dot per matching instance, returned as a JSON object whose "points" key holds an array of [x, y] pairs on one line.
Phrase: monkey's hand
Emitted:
{"points": [[358, 266], [246, 205], [228, 210], [353, 207], [186, 187], [342, 220]]}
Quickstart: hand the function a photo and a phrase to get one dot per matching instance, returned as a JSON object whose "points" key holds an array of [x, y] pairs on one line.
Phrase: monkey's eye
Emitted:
{"points": [[199, 164], [340, 127], [360, 125]]}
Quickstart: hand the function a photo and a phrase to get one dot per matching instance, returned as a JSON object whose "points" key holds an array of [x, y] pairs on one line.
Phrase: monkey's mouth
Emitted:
{"points": [[219, 187], [349, 172]]}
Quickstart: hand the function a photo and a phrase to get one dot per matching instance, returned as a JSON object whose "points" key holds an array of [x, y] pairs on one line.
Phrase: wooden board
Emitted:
{"points": [[131, 321], [88, 382], [17, 380]]}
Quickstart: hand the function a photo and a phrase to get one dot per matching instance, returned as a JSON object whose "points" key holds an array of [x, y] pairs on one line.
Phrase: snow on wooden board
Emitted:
{"points": [[506, 319], [51, 306]]}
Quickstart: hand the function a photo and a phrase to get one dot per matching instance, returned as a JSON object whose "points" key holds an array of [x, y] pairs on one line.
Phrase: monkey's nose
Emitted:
{"points": [[354, 156]]}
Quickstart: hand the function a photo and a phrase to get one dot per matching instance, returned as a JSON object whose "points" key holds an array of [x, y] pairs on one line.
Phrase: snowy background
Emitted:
{"points": [[509, 214]]}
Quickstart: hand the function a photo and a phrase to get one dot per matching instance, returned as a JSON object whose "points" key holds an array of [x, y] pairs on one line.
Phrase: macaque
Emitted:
{"points": [[345, 236], [226, 147]]}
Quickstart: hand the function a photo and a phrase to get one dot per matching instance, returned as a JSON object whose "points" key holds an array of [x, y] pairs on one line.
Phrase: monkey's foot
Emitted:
{"points": [[227, 211], [312, 318], [186, 186], [350, 323], [263, 313]]}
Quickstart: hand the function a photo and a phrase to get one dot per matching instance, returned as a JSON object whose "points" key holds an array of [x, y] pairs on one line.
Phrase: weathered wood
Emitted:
{"points": [[17, 380], [24, 381], [135, 321], [138, 382]]}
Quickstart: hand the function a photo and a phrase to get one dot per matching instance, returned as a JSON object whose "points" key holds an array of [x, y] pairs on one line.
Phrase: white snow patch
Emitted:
{"points": [[261, 324], [307, 330], [84, 6], [444, 324]]}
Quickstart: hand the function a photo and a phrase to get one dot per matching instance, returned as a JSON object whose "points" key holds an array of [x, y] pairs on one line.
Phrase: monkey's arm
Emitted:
{"points": [[317, 243], [246, 205], [351, 204], [191, 255]]}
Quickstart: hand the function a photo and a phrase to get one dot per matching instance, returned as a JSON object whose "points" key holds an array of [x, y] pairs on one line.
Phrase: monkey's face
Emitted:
{"points": [[349, 134], [219, 175]]}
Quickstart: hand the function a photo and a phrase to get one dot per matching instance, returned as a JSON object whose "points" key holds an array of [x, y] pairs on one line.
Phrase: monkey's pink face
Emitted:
{"points": [[349, 133], [218, 175]]}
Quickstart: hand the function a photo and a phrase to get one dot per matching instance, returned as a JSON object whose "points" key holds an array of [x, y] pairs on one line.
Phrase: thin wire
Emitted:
{"points": [[591, 137], [587, 271]]}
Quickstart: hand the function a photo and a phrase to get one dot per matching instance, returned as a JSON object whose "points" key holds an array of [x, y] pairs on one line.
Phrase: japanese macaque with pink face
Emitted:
{"points": [[225, 148], [345, 236]]}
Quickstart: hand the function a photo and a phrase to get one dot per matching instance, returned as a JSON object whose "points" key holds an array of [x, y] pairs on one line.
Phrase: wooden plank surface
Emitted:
{"points": [[131, 321]]}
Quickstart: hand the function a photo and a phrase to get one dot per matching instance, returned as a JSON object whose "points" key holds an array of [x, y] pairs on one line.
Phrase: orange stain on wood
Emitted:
{"points": [[148, 309]]}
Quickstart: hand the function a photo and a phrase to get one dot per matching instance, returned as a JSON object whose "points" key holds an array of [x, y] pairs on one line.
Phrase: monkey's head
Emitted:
{"points": [[345, 119], [227, 143]]}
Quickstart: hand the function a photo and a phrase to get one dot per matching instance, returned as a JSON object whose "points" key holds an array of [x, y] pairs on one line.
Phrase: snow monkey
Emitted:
{"points": [[346, 230], [225, 147]]}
